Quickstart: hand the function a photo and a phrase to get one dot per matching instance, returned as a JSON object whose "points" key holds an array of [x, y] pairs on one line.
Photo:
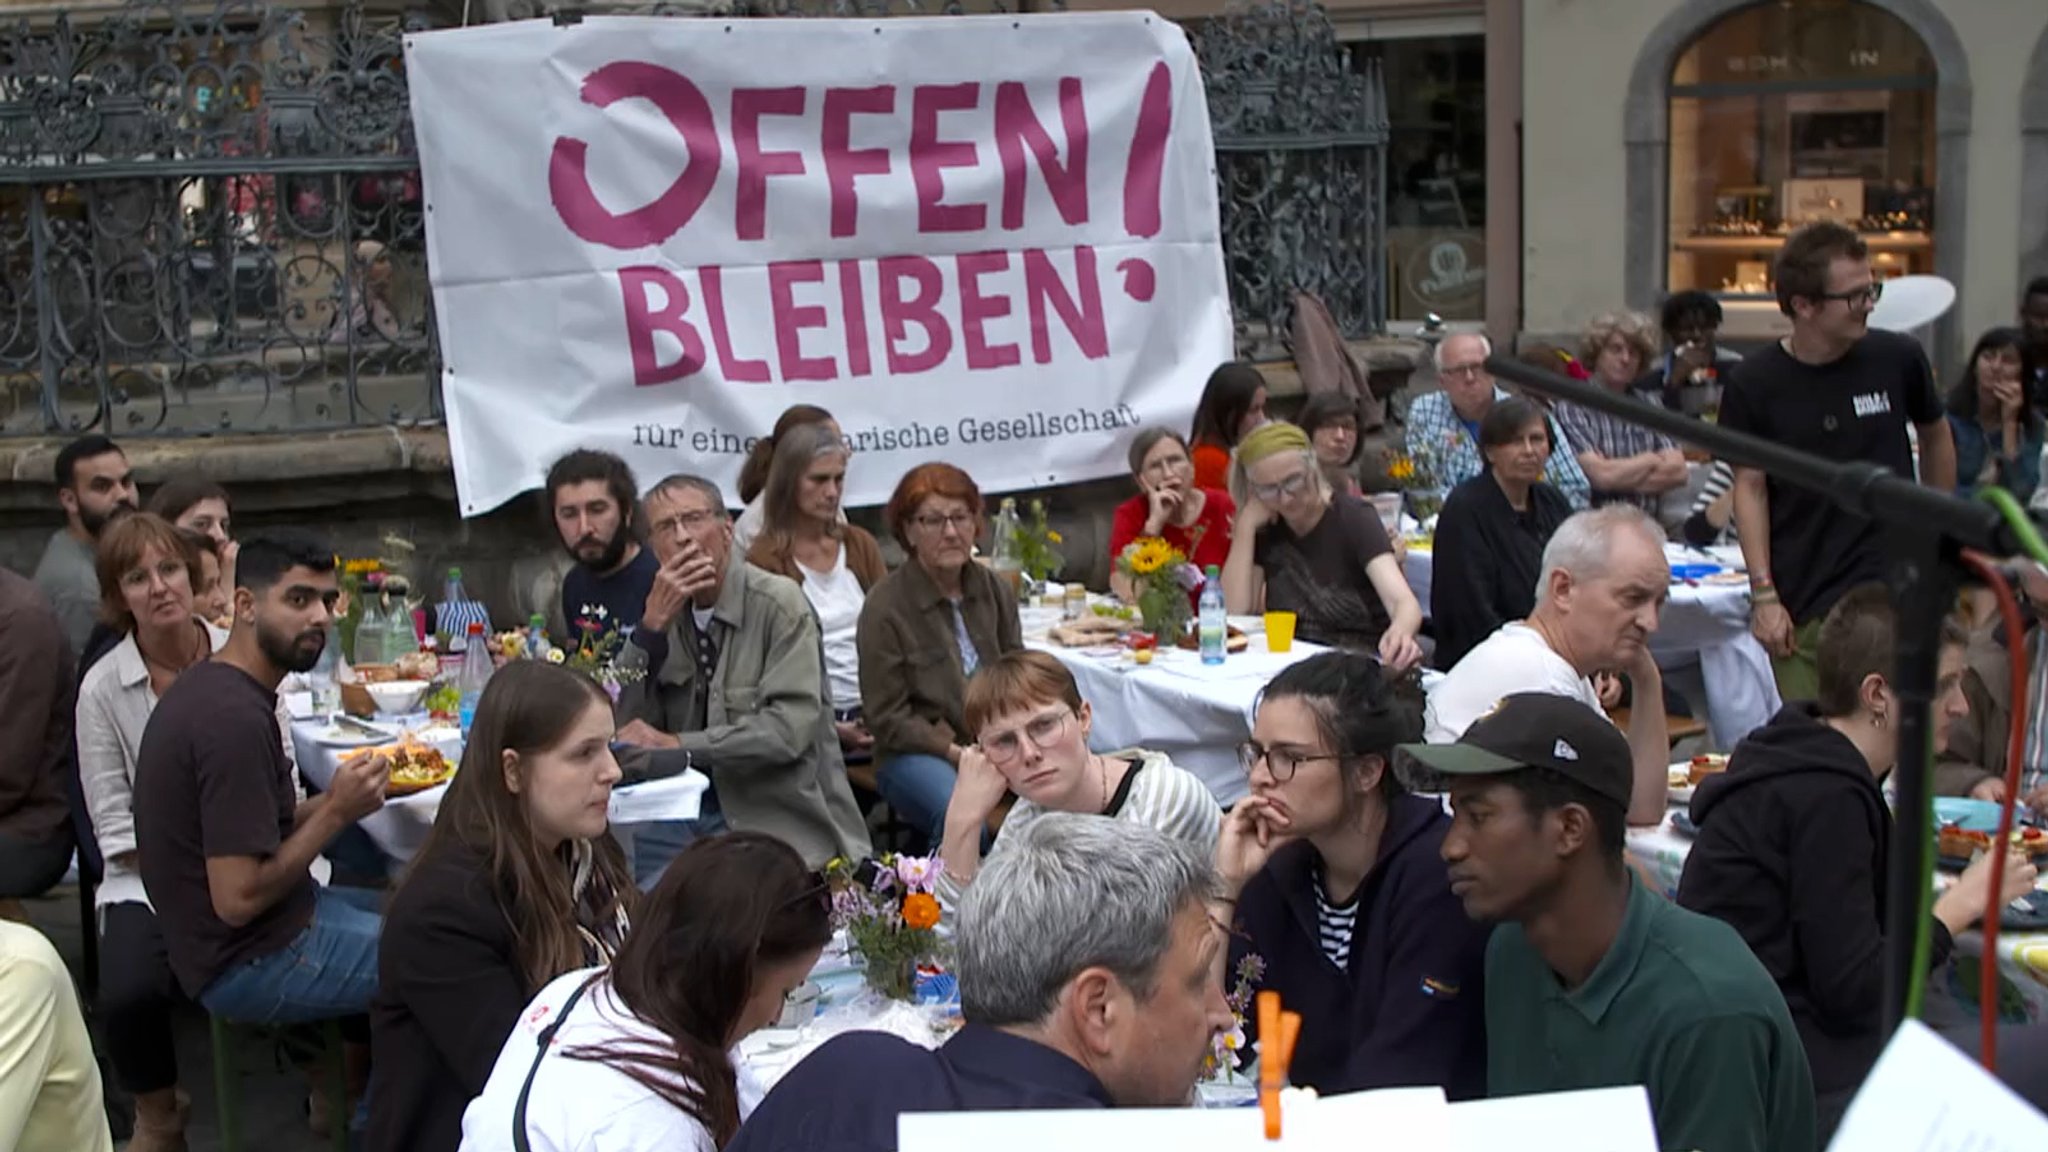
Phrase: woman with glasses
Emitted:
{"points": [[1031, 736], [1169, 505], [1299, 547], [1331, 421], [806, 538], [1339, 888], [1233, 403], [638, 1057], [926, 627], [518, 884]]}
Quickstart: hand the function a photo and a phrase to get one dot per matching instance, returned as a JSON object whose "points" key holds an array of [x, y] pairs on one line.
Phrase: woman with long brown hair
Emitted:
{"points": [[808, 540], [637, 1058], [518, 884], [754, 470]]}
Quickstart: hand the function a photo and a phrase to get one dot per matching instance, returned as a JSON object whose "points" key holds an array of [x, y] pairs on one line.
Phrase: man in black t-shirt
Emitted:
{"points": [[225, 847], [591, 500], [1837, 390]]}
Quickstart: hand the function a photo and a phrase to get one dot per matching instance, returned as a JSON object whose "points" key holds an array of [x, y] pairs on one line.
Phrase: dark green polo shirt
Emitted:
{"points": [[1678, 1005]]}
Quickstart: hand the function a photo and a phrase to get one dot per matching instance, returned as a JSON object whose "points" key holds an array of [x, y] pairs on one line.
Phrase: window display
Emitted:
{"points": [[1785, 114]]}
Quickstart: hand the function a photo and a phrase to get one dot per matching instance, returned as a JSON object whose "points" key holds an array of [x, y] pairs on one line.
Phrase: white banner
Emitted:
{"points": [[989, 240]]}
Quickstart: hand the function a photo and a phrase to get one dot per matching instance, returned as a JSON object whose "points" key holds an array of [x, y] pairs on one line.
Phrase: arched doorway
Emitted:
{"points": [[1746, 118], [2034, 165]]}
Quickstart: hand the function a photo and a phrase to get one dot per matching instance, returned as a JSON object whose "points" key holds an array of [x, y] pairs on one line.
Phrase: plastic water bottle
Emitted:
{"points": [[476, 672], [453, 593], [537, 637], [1213, 624], [326, 690]]}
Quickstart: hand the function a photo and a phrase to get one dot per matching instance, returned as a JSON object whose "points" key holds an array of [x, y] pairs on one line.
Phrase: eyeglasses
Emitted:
{"points": [[1292, 486], [1461, 371], [1167, 464], [1004, 747], [961, 522], [683, 522], [1280, 761], [1867, 296]]}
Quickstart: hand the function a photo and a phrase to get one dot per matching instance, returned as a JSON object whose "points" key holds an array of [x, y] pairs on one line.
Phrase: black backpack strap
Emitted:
{"points": [[547, 1037]]}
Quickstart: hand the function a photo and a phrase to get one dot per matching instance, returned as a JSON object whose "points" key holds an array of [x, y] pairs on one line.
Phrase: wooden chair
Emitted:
{"points": [[1676, 728]]}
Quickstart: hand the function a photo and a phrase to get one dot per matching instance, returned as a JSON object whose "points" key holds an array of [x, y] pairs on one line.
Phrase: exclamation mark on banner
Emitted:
{"points": [[1142, 176]]}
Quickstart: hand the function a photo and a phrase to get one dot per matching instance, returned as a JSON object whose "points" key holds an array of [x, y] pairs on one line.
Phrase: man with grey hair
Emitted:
{"points": [[741, 693], [1088, 966], [1604, 582], [1443, 427]]}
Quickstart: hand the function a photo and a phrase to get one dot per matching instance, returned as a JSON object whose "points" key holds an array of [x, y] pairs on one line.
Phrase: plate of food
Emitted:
{"points": [[1955, 846], [1234, 640], [1681, 783], [415, 766], [347, 732]]}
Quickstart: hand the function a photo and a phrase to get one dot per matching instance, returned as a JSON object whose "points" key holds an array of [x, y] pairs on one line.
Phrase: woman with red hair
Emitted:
{"points": [[924, 630]]}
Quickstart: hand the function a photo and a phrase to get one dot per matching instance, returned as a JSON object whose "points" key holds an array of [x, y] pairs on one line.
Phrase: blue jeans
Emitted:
{"points": [[657, 843], [327, 972], [919, 787]]}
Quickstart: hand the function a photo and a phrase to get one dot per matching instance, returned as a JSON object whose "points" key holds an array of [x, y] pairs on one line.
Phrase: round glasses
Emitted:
{"points": [[1044, 731], [1281, 761]]}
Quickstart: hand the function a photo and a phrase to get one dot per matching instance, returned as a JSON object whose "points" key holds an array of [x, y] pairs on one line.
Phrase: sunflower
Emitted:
{"points": [[1150, 555]]}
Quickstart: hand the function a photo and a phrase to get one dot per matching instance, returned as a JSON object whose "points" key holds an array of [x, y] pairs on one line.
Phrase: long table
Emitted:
{"points": [[1703, 623], [1195, 713], [2022, 956], [400, 828]]}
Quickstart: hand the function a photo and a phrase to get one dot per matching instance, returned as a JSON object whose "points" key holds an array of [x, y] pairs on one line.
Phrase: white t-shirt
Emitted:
{"points": [[1513, 659], [836, 597], [578, 1105]]}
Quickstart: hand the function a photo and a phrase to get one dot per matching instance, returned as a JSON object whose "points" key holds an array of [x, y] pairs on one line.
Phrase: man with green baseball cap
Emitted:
{"points": [[1592, 980]]}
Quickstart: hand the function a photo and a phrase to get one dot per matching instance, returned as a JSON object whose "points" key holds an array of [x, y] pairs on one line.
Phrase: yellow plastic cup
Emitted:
{"points": [[1279, 631]]}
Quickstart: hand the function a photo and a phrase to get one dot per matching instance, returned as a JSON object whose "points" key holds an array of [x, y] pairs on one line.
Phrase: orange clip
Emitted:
{"points": [[1278, 1031]]}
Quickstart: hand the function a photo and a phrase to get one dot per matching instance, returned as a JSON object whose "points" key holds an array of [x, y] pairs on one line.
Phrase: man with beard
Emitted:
{"points": [[94, 485], [590, 499], [225, 846]]}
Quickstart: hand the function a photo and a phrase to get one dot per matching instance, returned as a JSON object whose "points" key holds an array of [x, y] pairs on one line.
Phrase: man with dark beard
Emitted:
{"points": [[591, 497], [94, 485], [225, 846]]}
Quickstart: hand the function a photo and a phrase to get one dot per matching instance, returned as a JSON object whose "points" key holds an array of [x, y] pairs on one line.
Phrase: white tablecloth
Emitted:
{"points": [[1195, 713], [400, 827], [1707, 624]]}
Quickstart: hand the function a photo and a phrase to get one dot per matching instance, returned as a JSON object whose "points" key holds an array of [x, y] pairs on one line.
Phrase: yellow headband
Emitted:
{"points": [[1269, 440]]}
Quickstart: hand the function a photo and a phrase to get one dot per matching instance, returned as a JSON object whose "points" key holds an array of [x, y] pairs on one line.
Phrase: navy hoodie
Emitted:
{"points": [[1792, 853], [1410, 1008]]}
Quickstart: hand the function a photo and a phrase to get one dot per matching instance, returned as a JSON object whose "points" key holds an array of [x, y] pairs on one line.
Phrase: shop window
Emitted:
{"points": [[1782, 114], [1436, 173]]}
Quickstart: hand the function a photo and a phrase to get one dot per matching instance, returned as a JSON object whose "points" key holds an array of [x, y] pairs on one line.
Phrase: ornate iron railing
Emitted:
{"points": [[1301, 169], [211, 221]]}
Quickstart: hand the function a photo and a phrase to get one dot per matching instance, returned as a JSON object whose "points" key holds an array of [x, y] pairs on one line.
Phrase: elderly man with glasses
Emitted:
{"points": [[741, 696], [1836, 389], [1443, 427]]}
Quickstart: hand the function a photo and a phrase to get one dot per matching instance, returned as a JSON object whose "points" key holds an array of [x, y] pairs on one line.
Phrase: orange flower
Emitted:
{"points": [[921, 910]]}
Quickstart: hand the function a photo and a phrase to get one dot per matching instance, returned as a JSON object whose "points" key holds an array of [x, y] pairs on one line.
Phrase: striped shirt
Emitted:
{"points": [[2034, 768], [1334, 924], [1615, 438], [1161, 795]]}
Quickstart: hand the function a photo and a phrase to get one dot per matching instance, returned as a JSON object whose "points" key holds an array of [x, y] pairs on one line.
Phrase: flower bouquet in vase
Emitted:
{"points": [[1161, 579], [1226, 1049], [1035, 546], [886, 908], [1417, 477]]}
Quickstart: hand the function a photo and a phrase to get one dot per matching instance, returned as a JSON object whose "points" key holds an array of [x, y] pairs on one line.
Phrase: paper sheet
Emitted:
{"points": [[1927, 1095]]}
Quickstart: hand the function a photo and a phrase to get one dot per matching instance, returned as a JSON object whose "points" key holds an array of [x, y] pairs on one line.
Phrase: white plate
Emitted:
{"points": [[1681, 795], [337, 736]]}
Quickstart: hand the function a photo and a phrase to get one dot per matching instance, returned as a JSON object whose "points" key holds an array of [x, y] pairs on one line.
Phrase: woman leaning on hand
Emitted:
{"points": [[1299, 547], [1341, 888], [924, 630], [1169, 505], [518, 883], [1030, 729]]}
